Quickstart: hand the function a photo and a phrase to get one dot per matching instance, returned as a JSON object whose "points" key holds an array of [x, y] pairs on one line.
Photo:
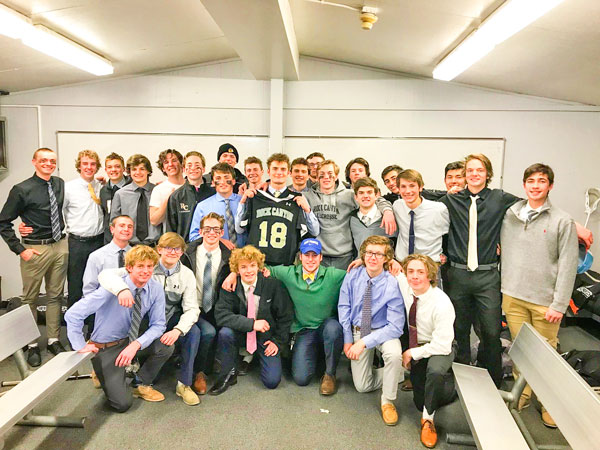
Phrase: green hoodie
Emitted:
{"points": [[315, 302]]}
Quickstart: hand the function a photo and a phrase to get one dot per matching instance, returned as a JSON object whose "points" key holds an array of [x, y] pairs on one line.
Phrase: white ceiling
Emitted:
{"points": [[558, 56]]}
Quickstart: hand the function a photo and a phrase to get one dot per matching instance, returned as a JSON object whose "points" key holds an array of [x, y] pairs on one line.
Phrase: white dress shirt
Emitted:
{"points": [[435, 320], [200, 263], [431, 222], [256, 297], [83, 216]]}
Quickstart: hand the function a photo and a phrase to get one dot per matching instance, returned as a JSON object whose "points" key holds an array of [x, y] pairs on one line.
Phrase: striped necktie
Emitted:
{"points": [[230, 222], [207, 290], [136, 316], [365, 320], [54, 218]]}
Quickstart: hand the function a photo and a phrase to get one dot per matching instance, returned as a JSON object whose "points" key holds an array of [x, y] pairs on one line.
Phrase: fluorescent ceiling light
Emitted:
{"points": [[40, 38], [53, 44], [510, 18], [12, 24]]}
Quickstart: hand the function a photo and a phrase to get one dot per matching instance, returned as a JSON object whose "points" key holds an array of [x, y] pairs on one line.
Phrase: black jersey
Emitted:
{"points": [[275, 225]]}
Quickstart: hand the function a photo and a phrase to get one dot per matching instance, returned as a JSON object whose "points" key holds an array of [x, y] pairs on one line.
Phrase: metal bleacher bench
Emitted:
{"points": [[17, 329], [492, 414]]}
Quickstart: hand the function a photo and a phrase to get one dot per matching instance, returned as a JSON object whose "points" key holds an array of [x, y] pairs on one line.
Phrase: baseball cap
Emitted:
{"points": [[310, 245]]}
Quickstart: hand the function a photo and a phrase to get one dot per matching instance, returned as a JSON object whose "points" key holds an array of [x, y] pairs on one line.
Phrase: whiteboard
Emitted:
{"points": [[150, 145], [429, 156]]}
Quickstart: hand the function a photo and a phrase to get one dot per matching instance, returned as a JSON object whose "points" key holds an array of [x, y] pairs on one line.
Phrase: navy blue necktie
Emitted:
{"points": [[411, 234]]}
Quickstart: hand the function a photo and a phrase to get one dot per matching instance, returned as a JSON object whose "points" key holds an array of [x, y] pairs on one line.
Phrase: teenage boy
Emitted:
{"points": [[355, 169], [256, 316], [371, 312], [225, 203], [314, 159], [182, 310], [228, 154], [389, 176], [133, 199], [183, 201], [454, 176], [299, 174], [536, 288], [170, 163], [427, 340], [84, 220], [276, 219], [38, 201], [421, 222], [116, 338], [114, 166], [314, 291], [366, 220], [253, 169], [332, 204]]}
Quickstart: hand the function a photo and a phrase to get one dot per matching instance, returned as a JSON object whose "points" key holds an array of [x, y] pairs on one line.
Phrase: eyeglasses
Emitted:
{"points": [[378, 256], [213, 229], [173, 250]]}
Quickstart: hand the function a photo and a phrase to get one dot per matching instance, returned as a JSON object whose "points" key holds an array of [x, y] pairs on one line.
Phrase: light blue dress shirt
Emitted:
{"points": [[106, 257], [216, 203]]}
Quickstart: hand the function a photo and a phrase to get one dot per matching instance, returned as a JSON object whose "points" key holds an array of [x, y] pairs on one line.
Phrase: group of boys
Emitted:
{"points": [[203, 258]]}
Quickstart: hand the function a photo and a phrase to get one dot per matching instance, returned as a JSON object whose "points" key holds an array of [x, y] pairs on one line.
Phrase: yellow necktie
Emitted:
{"points": [[93, 194], [308, 275]]}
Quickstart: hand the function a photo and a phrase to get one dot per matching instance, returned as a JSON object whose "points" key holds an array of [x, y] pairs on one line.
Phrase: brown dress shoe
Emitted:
{"points": [[148, 393], [95, 380], [428, 433], [328, 385], [389, 414], [200, 383], [547, 419]]}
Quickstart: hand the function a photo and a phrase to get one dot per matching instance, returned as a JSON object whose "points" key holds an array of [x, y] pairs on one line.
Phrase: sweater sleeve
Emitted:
{"points": [[189, 302], [567, 265]]}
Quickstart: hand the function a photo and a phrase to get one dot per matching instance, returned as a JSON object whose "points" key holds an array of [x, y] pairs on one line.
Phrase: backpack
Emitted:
{"points": [[586, 363]]}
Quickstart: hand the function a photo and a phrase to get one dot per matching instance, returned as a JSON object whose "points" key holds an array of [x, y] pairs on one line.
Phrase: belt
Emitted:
{"points": [[85, 238], [355, 328], [108, 344], [479, 267], [41, 241]]}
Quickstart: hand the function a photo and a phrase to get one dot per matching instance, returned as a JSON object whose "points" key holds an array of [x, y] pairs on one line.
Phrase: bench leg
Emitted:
{"points": [[52, 421], [460, 439]]}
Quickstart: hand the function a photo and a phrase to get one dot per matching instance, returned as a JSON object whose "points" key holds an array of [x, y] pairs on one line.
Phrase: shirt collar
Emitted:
{"points": [[132, 287], [220, 198], [376, 279], [371, 215], [247, 286], [425, 295], [316, 273]]}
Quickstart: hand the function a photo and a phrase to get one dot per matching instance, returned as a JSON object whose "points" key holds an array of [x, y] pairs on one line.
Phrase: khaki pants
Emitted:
{"points": [[51, 266], [367, 379], [519, 312]]}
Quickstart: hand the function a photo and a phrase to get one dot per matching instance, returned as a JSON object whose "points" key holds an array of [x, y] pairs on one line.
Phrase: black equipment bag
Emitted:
{"points": [[586, 363]]}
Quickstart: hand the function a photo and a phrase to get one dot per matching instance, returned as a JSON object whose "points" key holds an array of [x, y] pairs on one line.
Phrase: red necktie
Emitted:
{"points": [[412, 324], [251, 336]]}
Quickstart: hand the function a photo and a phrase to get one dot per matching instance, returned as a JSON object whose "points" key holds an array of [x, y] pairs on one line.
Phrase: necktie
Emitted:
{"points": [[121, 258], [472, 261], [411, 233], [365, 319], [54, 218], [113, 190], [308, 276], [251, 336], [93, 194], [532, 214], [230, 222], [412, 324], [207, 290], [136, 316], [141, 220]]}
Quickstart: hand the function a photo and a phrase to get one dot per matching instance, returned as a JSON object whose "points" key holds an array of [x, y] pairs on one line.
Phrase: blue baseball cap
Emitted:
{"points": [[310, 245]]}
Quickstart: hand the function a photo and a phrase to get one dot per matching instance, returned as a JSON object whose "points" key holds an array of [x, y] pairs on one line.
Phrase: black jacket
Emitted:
{"points": [[188, 259], [180, 209], [106, 195], [274, 306]]}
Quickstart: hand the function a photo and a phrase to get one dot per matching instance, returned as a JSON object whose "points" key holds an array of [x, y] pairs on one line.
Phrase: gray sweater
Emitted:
{"points": [[360, 231], [539, 258]]}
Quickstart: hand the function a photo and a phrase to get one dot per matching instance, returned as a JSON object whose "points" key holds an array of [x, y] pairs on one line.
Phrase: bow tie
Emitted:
{"points": [[308, 275]]}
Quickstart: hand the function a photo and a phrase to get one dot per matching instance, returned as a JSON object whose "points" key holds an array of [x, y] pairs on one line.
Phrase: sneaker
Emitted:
{"points": [[389, 414], [34, 359], [428, 433], [186, 393], [524, 402], [547, 419], [95, 380], [148, 393], [55, 348]]}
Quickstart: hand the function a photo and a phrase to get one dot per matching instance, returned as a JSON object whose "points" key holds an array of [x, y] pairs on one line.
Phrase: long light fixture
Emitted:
{"points": [[510, 18], [42, 39]]}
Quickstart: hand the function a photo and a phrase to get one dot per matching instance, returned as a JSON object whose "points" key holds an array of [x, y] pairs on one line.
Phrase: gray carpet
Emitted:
{"points": [[251, 417]]}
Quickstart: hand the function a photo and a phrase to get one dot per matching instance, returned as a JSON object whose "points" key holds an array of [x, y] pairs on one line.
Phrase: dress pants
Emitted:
{"points": [[433, 383], [519, 312], [49, 266], [367, 379], [79, 252], [476, 297], [228, 343], [330, 337], [112, 378], [341, 262]]}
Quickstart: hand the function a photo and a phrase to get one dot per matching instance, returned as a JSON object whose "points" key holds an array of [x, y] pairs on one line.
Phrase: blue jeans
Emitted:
{"points": [[227, 350], [195, 346], [306, 350]]}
